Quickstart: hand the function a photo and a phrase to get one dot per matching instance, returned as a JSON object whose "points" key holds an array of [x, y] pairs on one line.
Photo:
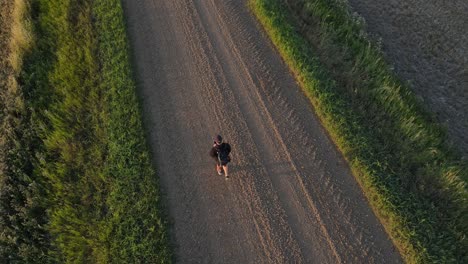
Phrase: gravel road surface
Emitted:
{"points": [[206, 67]]}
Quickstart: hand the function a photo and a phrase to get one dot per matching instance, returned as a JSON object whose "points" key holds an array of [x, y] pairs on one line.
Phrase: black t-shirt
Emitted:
{"points": [[224, 147]]}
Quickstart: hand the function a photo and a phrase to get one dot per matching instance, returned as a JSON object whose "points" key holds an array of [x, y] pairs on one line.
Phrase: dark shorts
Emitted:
{"points": [[222, 163]]}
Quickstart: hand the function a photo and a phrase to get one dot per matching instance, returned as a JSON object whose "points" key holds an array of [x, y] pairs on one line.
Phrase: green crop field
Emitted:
{"points": [[77, 182], [398, 153]]}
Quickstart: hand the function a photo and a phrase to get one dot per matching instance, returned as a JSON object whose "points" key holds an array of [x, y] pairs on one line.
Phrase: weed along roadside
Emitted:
{"points": [[399, 155], [96, 195]]}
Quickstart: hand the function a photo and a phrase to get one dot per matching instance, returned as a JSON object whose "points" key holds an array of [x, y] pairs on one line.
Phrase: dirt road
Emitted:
{"points": [[427, 43], [205, 67]]}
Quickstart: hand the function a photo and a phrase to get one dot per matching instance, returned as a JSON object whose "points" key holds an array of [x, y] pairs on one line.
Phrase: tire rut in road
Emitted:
{"points": [[268, 213]]}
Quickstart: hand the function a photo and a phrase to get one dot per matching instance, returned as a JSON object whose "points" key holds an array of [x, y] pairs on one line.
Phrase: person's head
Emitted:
{"points": [[218, 140]]}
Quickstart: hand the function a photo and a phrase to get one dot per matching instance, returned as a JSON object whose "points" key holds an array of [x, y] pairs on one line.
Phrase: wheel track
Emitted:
{"points": [[263, 227], [275, 182], [255, 93]]}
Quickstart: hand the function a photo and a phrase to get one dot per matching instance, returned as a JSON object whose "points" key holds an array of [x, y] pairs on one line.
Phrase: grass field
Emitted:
{"points": [[416, 185], [85, 151], [23, 237]]}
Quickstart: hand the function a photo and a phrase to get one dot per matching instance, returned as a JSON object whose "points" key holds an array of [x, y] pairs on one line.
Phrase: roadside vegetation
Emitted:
{"points": [[85, 173], [414, 181], [23, 235]]}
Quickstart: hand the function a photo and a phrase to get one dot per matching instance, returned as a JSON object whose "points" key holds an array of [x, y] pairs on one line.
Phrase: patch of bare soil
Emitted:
{"points": [[205, 67], [427, 43]]}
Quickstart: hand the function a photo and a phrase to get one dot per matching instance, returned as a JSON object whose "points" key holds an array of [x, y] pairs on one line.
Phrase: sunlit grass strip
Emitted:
{"points": [[137, 231], [103, 195], [414, 183], [75, 140], [21, 36]]}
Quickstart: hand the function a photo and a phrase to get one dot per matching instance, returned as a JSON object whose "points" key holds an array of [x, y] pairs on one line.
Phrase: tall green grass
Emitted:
{"points": [[415, 183], [99, 189], [105, 161], [138, 231], [75, 138]]}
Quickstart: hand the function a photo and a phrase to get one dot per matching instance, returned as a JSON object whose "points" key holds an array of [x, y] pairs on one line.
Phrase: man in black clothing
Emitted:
{"points": [[220, 152]]}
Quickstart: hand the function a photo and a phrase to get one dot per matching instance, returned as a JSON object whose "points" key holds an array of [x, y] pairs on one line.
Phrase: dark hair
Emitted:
{"points": [[218, 139]]}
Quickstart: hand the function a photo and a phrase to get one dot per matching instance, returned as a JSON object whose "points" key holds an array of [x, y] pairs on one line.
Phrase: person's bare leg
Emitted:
{"points": [[225, 168], [218, 169]]}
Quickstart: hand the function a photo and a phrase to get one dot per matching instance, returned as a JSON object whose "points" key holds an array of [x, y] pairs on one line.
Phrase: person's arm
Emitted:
{"points": [[213, 152], [228, 148]]}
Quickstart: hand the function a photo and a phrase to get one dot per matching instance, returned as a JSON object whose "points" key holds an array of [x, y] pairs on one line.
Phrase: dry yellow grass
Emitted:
{"points": [[15, 41], [21, 37]]}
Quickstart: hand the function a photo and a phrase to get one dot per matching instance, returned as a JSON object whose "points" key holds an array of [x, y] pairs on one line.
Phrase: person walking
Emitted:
{"points": [[220, 152]]}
